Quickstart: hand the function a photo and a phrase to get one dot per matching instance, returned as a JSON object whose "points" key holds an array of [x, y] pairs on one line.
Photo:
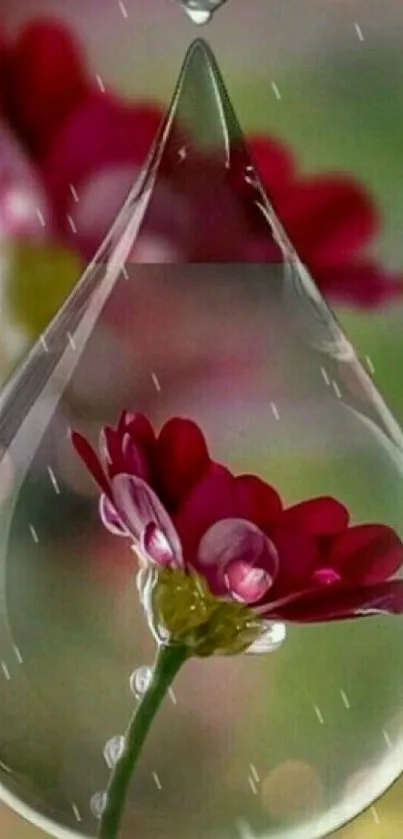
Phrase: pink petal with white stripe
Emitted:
{"points": [[146, 519]]}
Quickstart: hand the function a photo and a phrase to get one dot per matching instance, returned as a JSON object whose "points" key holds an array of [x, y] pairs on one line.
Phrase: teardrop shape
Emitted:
{"points": [[201, 11], [219, 383]]}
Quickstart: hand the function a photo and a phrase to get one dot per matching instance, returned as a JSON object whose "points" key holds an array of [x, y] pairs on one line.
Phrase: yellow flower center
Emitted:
{"points": [[181, 609]]}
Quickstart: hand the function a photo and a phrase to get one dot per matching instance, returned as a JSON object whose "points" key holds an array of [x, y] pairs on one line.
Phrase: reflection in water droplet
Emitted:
{"points": [[140, 680], [113, 751], [291, 791], [98, 804]]}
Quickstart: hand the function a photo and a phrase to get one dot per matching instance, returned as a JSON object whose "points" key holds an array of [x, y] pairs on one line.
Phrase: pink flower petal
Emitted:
{"points": [[88, 456], [138, 507], [366, 553], [181, 456], [157, 547], [110, 518], [317, 516], [228, 554]]}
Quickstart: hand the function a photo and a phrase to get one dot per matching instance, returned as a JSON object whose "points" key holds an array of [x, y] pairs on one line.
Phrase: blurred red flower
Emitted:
{"points": [[184, 511], [90, 146]]}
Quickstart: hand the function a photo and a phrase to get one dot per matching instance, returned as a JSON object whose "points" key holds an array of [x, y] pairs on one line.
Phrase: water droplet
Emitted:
{"points": [[201, 11], [272, 637], [98, 804], [237, 334], [140, 681], [113, 751]]}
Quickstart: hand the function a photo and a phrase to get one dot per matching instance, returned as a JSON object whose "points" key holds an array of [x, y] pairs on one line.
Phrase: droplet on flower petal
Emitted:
{"points": [[98, 803], [326, 576], [140, 681], [246, 583], [113, 751], [238, 351]]}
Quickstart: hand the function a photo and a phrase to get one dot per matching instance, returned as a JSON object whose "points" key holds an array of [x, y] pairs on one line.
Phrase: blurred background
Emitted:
{"points": [[316, 83]]}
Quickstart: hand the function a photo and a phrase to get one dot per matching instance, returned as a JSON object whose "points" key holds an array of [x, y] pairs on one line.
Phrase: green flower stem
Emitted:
{"points": [[168, 662]]}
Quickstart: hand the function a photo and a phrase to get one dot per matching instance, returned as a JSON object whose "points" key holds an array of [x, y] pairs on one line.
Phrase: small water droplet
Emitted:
{"points": [[113, 751], [199, 16], [98, 804], [272, 637], [201, 11], [140, 681]]}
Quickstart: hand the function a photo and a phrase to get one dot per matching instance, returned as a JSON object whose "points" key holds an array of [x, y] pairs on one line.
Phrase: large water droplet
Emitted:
{"points": [[140, 681], [201, 11], [113, 751], [234, 335]]}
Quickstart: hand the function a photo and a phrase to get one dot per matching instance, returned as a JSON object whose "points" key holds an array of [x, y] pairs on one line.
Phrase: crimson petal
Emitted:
{"points": [[298, 558], [88, 456], [211, 499], [366, 553], [258, 501], [341, 602], [181, 458], [317, 516]]}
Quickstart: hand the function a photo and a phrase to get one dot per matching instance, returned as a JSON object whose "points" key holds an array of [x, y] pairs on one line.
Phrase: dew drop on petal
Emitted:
{"points": [[326, 576], [113, 751], [98, 804], [246, 583], [140, 681]]}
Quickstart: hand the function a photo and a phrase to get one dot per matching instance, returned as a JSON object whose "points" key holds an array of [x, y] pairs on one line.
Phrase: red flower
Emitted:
{"points": [[43, 80], [90, 146], [185, 512]]}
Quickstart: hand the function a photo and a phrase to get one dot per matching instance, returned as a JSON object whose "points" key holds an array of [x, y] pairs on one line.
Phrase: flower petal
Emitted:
{"points": [[298, 558], [317, 516], [181, 458], [258, 501], [340, 602], [236, 557], [91, 460], [138, 507], [110, 517], [328, 218], [213, 498], [366, 553]]}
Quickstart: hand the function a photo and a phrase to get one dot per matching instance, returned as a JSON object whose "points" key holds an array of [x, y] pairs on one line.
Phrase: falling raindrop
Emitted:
{"points": [[98, 804], [234, 330], [140, 680], [113, 751], [201, 11]]}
